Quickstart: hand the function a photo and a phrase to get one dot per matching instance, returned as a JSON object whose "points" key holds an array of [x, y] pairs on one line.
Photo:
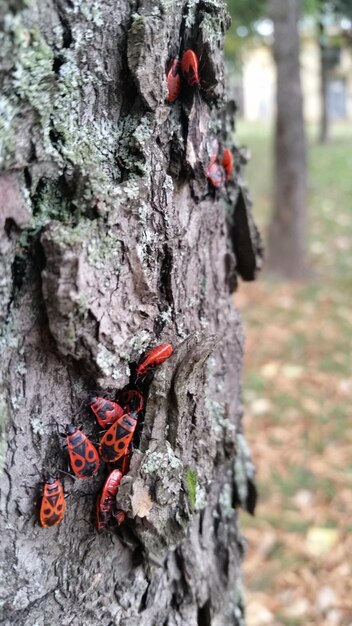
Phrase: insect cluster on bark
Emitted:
{"points": [[121, 421], [187, 69]]}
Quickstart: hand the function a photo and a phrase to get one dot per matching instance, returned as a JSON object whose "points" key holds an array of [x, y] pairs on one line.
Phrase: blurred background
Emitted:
{"points": [[290, 69]]}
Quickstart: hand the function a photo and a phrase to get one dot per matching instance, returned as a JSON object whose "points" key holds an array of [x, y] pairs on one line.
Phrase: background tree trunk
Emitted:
{"points": [[324, 72], [287, 246], [110, 243]]}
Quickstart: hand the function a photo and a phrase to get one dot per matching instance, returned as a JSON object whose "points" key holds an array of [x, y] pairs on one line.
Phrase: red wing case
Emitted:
{"points": [[53, 505], [111, 486], [116, 441], [153, 358], [131, 400], [189, 67], [227, 163], [173, 79], [84, 458], [106, 499], [105, 411]]}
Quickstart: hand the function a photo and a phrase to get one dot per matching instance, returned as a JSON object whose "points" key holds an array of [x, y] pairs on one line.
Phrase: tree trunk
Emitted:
{"points": [[111, 242], [324, 69], [288, 227]]}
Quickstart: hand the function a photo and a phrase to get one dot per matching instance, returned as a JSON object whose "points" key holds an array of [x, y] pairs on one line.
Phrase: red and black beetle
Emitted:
{"points": [[105, 502], [173, 79], [53, 505], [105, 411], [153, 358], [131, 400], [116, 440], [227, 163], [190, 67], [84, 458]]}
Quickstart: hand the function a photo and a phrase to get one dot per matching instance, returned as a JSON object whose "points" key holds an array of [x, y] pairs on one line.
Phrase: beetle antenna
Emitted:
{"points": [[81, 407], [66, 474]]}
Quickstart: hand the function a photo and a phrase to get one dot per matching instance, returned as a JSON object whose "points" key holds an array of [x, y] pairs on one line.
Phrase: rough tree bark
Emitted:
{"points": [[110, 242], [287, 241]]}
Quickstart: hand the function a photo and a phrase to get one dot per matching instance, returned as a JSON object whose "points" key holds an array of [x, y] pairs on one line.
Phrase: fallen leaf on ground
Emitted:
{"points": [[320, 541]]}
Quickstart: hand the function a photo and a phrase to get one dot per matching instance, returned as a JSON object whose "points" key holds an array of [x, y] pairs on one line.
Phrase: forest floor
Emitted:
{"points": [[298, 397]]}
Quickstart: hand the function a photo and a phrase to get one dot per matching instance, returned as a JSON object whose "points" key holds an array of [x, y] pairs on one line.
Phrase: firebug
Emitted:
{"points": [[53, 505], [173, 79], [105, 411], [84, 458], [153, 358], [116, 440], [131, 400], [190, 67], [106, 498], [227, 163]]}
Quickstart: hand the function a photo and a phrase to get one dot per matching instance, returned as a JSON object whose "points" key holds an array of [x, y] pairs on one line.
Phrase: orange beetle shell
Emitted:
{"points": [[153, 358], [173, 79], [227, 163], [84, 458], [105, 500], [53, 505], [189, 67], [215, 172], [110, 488], [124, 463], [105, 411], [131, 400], [116, 440]]}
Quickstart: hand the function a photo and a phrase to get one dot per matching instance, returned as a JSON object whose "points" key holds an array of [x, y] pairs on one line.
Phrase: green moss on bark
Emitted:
{"points": [[191, 484]]}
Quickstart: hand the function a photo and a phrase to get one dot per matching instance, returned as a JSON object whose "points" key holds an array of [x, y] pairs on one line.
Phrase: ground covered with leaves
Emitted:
{"points": [[298, 393]]}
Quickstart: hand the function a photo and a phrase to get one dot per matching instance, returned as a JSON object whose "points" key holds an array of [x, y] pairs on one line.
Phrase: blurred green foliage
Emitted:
{"points": [[244, 15], [343, 7]]}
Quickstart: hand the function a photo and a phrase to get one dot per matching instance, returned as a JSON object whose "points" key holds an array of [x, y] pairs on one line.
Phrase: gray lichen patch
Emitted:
{"points": [[90, 10], [217, 408], [8, 113], [4, 415], [244, 469], [225, 501], [157, 493], [108, 363], [28, 86], [138, 151], [216, 412], [158, 461], [201, 498], [33, 76], [102, 249], [37, 425]]}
